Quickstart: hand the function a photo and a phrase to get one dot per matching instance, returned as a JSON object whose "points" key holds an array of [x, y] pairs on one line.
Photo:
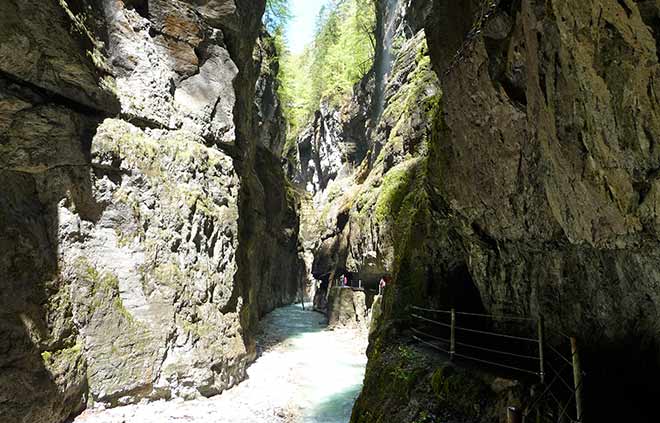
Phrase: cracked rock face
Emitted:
{"points": [[527, 187], [130, 215], [319, 151], [539, 191], [335, 141], [364, 216], [551, 160], [175, 70], [272, 125], [160, 261]]}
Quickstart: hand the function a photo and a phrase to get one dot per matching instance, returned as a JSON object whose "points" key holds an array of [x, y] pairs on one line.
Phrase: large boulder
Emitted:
{"points": [[347, 308]]}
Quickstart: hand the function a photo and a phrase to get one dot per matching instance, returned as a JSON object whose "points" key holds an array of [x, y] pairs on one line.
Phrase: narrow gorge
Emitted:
{"points": [[175, 176]]}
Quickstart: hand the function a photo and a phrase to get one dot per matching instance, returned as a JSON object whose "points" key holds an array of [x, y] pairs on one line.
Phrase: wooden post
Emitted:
{"points": [[541, 346], [577, 378], [452, 339]]}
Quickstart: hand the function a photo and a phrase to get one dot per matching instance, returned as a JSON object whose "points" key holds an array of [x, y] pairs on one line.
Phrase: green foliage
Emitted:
{"points": [[296, 91], [340, 55], [423, 417], [405, 370]]}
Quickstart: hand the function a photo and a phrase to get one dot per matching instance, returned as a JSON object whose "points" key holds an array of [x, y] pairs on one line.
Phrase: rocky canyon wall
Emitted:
{"points": [[365, 201], [547, 156], [145, 224], [539, 193]]}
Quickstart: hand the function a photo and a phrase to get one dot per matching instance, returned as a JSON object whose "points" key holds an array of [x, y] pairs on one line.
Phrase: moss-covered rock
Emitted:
{"points": [[408, 384]]}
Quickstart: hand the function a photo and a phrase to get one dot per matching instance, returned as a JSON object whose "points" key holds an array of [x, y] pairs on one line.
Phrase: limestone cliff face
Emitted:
{"points": [[335, 141], [327, 156], [272, 125], [573, 173], [137, 184], [550, 163], [365, 215], [538, 196]]}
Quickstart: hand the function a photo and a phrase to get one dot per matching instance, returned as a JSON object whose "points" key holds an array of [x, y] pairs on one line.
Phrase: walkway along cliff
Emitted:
{"points": [[537, 199]]}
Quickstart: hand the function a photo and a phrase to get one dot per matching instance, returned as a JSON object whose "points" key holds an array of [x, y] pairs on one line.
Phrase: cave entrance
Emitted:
{"points": [[463, 292]]}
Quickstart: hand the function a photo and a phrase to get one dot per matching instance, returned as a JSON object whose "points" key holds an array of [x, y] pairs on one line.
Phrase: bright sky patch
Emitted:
{"points": [[301, 27]]}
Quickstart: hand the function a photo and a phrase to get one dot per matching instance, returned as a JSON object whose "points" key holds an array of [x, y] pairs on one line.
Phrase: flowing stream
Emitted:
{"points": [[306, 373]]}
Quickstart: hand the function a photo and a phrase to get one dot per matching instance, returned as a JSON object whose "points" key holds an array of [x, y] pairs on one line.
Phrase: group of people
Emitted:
{"points": [[344, 283]]}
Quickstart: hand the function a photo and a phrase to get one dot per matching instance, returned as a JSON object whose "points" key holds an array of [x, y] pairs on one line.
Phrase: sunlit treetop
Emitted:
{"points": [[340, 54]]}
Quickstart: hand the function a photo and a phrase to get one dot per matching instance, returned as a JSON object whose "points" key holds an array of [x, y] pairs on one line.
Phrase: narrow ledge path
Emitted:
{"points": [[305, 373]]}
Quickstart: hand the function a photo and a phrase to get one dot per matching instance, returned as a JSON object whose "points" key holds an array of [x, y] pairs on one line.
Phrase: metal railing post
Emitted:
{"points": [[577, 378], [452, 339], [541, 346]]}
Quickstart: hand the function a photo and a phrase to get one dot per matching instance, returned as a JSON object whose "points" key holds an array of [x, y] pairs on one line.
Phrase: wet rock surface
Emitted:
{"points": [[413, 383], [364, 215], [548, 168], [573, 156]]}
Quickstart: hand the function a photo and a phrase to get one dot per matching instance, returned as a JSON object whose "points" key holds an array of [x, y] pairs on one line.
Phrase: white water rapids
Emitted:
{"points": [[306, 374]]}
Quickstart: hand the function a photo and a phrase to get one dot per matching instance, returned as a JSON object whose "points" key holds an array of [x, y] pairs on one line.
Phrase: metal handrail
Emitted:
{"points": [[547, 389], [566, 360], [501, 335], [430, 320], [496, 364], [519, 338], [497, 317], [463, 313], [430, 344], [431, 310], [566, 384], [437, 338], [550, 390], [529, 357], [570, 401]]}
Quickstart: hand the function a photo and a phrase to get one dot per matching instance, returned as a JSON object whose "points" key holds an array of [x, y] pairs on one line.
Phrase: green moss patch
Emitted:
{"points": [[396, 185], [457, 390]]}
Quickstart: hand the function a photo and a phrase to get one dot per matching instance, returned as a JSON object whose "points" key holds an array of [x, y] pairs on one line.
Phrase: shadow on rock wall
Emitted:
{"points": [[43, 373]]}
